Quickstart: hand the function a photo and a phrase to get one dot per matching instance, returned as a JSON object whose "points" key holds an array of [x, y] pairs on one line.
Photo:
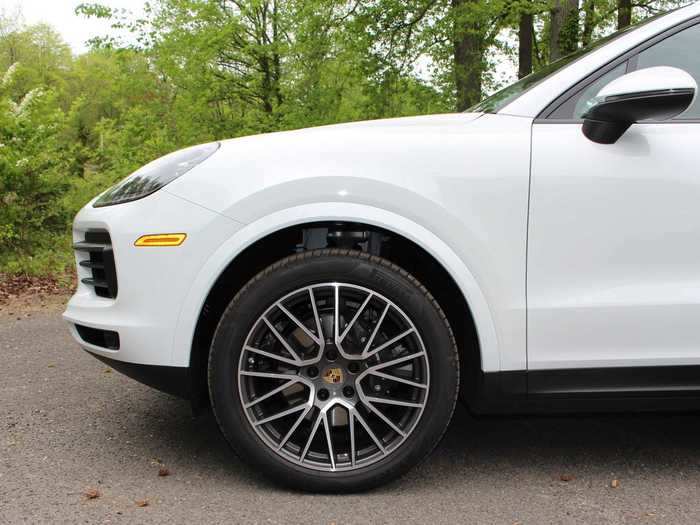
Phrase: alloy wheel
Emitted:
{"points": [[333, 377]]}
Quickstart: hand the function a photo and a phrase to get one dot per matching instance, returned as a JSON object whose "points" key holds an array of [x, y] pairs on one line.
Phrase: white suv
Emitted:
{"points": [[329, 292]]}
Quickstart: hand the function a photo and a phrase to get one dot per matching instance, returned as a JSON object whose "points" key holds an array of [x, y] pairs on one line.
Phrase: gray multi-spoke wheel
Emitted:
{"points": [[339, 360], [333, 370]]}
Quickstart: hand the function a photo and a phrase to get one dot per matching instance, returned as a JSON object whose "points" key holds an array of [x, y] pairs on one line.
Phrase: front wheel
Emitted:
{"points": [[333, 371]]}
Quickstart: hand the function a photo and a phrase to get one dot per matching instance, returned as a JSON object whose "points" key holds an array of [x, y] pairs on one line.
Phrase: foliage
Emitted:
{"points": [[32, 167], [199, 70]]}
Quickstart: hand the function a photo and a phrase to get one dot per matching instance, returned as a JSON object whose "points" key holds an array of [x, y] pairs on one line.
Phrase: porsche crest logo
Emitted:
{"points": [[333, 376]]}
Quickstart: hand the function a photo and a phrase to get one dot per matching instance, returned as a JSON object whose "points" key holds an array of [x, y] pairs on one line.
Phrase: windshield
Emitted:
{"points": [[505, 96]]}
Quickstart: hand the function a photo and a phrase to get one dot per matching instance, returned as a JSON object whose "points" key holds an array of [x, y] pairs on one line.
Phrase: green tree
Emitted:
{"points": [[201, 70], [33, 164], [38, 53]]}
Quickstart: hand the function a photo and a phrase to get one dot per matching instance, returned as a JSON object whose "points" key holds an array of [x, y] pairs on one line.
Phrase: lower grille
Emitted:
{"points": [[102, 338], [97, 246]]}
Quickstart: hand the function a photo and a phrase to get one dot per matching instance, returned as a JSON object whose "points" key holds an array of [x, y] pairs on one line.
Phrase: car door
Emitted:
{"points": [[613, 272]]}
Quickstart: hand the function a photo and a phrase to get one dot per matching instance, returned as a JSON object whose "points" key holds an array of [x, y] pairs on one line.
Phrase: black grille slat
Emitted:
{"points": [[96, 282], [88, 247], [98, 246], [93, 264], [98, 237]]}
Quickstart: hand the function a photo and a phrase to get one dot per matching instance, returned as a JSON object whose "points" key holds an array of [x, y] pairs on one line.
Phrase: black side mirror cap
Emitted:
{"points": [[608, 120]]}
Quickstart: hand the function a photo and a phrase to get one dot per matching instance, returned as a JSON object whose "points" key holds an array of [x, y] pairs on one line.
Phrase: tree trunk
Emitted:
{"points": [[624, 13], [563, 33], [276, 62], [588, 22], [525, 34], [468, 55], [556, 21]]}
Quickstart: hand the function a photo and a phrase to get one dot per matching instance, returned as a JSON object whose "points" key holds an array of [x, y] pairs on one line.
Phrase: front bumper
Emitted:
{"points": [[153, 282], [174, 380]]}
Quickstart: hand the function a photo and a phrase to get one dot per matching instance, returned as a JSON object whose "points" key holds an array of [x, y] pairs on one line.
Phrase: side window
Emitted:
{"points": [[587, 97], [576, 106], [681, 50]]}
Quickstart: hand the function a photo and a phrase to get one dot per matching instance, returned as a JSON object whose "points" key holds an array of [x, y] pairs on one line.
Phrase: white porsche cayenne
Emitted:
{"points": [[330, 292]]}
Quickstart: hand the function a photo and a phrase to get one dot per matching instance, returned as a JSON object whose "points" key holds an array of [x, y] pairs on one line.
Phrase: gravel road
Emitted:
{"points": [[69, 424]]}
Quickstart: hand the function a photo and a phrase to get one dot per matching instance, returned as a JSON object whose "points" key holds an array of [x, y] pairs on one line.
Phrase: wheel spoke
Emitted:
{"points": [[280, 414], [327, 428], [282, 340], [355, 317], [394, 362], [267, 375], [375, 331], [389, 343], [371, 433], [398, 379], [336, 311], [311, 436], [351, 423], [299, 323], [271, 355], [271, 393], [294, 427], [319, 329], [396, 402], [386, 420]]}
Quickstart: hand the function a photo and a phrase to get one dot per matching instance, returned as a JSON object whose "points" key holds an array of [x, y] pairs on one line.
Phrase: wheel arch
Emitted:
{"points": [[262, 243]]}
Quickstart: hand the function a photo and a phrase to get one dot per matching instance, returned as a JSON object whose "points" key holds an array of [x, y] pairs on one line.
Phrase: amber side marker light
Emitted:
{"points": [[162, 239]]}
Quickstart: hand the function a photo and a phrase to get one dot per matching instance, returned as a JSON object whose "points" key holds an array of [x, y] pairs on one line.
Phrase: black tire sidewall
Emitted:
{"points": [[320, 267]]}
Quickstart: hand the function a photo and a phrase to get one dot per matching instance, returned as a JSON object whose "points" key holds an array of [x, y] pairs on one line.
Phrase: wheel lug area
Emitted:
{"points": [[334, 377]]}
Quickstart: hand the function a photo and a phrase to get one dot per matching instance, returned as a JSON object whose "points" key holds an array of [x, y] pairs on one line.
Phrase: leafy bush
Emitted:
{"points": [[70, 127], [201, 70], [33, 175]]}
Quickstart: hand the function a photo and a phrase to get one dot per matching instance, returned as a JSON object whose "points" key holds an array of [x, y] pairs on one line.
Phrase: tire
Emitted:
{"points": [[258, 348]]}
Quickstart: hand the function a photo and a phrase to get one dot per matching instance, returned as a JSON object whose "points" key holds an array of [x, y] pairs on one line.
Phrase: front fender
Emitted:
{"points": [[337, 211], [456, 184]]}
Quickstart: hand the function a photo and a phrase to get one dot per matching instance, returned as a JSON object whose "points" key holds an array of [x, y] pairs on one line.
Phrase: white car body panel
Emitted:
{"points": [[419, 177], [445, 173], [153, 282], [246, 236], [614, 248], [350, 212]]}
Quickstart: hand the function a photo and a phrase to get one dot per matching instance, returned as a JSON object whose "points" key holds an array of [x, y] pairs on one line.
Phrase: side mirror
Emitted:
{"points": [[658, 93]]}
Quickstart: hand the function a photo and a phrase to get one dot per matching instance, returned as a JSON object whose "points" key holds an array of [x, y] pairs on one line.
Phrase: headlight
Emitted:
{"points": [[154, 175]]}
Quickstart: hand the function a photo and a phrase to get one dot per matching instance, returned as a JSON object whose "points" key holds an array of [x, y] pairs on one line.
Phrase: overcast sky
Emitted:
{"points": [[76, 30]]}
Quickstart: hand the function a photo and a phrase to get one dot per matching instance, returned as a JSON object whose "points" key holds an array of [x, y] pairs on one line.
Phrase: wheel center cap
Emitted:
{"points": [[333, 375]]}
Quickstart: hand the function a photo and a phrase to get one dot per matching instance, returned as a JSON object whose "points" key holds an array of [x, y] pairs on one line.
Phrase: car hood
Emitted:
{"points": [[318, 161], [389, 125]]}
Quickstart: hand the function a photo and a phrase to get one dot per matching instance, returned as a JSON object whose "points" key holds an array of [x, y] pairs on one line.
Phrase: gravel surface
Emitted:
{"points": [[70, 426]]}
